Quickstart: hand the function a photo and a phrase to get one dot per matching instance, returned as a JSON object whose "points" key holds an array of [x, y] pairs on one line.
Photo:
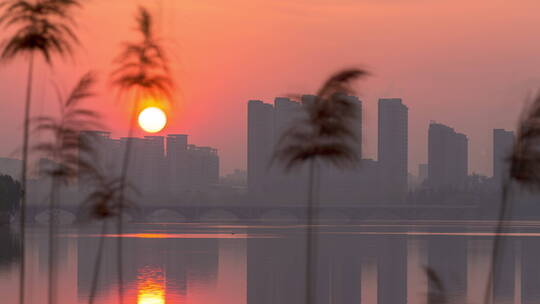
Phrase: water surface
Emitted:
{"points": [[370, 262]]}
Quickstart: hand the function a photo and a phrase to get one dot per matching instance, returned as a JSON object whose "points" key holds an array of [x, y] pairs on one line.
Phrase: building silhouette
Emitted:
{"points": [[103, 155], [260, 144], [286, 112], [11, 167], [202, 166], [393, 146], [273, 183], [139, 166], [392, 270], [447, 157], [159, 167], [236, 179], [447, 257], [422, 172], [154, 148], [268, 181], [177, 163], [502, 147]]}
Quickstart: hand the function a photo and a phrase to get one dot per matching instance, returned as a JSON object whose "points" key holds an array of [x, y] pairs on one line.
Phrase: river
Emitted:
{"points": [[369, 262]]}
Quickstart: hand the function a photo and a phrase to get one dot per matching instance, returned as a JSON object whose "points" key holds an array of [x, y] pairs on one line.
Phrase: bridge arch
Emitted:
{"points": [[334, 216], [277, 215], [63, 217], [219, 215], [166, 215]]}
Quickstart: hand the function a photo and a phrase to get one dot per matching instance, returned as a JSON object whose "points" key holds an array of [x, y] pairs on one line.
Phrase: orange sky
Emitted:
{"points": [[466, 63]]}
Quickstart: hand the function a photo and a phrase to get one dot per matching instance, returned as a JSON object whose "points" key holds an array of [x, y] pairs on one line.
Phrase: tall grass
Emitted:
{"points": [[142, 72], [63, 150], [41, 27], [323, 133]]}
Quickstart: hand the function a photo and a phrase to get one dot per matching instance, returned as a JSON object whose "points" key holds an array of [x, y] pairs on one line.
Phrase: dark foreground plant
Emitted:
{"points": [[102, 203], [324, 132], [40, 27], [63, 151], [437, 294], [142, 73], [524, 170]]}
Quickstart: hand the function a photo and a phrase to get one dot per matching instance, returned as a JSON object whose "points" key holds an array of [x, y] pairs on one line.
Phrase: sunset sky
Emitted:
{"points": [[467, 63]]}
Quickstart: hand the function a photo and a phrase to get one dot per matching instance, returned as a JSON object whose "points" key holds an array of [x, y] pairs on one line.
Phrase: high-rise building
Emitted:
{"points": [[136, 168], [422, 172], [11, 167], [154, 169], [279, 185], [98, 149], [266, 125], [285, 112], [176, 163], [530, 270], [190, 166], [260, 143], [393, 146], [447, 157], [154, 164], [356, 125], [176, 143], [202, 166], [502, 147]]}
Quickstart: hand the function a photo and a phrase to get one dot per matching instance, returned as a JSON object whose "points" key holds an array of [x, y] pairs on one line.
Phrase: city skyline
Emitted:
{"points": [[386, 179], [393, 145], [452, 81], [369, 143], [160, 166], [284, 105]]}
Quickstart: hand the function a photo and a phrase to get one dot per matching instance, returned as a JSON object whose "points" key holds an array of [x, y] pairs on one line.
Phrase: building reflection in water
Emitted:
{"points": [[530, 271], [392, 270], [11, 248], [447, 257], [504, 273], [266, 265], [275, 270]]}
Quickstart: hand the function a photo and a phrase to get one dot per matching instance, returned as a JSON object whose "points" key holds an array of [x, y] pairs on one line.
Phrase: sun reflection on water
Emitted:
{"points": [[150, 286]]}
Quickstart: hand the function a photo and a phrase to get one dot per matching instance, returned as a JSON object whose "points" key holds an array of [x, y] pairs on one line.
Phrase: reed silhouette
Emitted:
{"points": [[11, 251], [324, 133], [524, 170], [102, 203], [41, 27], [63, 150], [142, 73], [437, 295], [525, 157]]}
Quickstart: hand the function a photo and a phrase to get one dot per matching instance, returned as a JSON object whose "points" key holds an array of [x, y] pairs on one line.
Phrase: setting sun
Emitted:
{"points": [[152, 119]]}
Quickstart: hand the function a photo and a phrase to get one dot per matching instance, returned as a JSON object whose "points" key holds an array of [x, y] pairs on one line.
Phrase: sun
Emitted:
{"points": [[152, 119]]}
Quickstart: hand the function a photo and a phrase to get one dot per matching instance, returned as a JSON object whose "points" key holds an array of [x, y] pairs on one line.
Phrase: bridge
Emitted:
{"points": [[240, 213]]}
